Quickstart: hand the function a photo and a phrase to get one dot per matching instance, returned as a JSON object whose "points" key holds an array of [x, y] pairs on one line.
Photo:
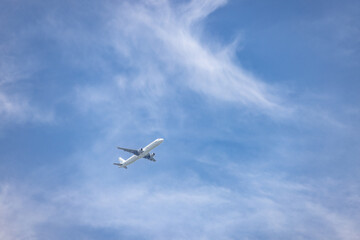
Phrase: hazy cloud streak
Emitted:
{"points": [[163, 36]]}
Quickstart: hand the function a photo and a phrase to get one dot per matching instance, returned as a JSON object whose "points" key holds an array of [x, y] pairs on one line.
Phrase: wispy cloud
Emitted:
{"points": [[166, 37], [18, 109], [256, 205], [15, 106], [20, 213], [161, 60], [192, 208], [163, 68]]}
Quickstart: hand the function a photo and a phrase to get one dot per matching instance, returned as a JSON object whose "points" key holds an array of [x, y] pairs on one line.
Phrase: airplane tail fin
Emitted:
{"points": [[121, 160]]}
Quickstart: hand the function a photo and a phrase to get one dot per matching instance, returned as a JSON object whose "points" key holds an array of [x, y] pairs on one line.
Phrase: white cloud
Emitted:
{"points": [[18, 109], [19, 213], [163, 36], [164, 53], [15, 106], [257, 204], [164, 60]]}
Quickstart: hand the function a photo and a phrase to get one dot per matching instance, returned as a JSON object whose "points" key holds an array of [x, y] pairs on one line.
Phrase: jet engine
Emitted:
{"points": [[141, 151], [152, 154]]}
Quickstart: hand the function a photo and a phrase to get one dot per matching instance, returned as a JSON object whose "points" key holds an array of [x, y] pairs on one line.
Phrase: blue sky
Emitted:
{"points": [[257, 102]]}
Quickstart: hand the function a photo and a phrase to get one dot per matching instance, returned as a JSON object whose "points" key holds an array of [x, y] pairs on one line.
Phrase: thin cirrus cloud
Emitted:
{"points": [[261, 205], [17, 108], [14, 105], [166, 37], [20, 213], [161, 46]]}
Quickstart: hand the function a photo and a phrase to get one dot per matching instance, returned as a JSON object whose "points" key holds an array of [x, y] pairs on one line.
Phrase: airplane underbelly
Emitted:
{"points": [[132, 159], [150, 147]]}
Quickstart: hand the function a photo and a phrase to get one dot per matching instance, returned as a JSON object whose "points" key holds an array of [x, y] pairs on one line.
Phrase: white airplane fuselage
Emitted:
{"points": [[146, 150]]}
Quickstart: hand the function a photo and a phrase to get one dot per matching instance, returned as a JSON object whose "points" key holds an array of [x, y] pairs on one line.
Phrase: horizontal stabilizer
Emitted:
{"points": [[120, 165]]}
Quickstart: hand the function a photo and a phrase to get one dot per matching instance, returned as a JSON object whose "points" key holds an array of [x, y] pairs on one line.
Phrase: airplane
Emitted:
{"points": [[141, 153]]}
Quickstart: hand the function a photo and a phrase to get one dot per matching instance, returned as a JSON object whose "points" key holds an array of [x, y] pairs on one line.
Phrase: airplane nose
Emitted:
{"points": [[160, 140]]}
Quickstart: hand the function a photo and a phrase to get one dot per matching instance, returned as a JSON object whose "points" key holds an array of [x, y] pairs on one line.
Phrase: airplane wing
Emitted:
{"points": [[133, 151]]}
